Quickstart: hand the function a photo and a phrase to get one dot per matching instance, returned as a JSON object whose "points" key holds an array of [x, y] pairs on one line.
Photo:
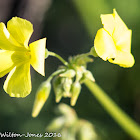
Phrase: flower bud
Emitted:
{"points": [[69, 114], [58, 88], [67, 86], [76, 88], [69, 73], [66, 110], [58, 93], [79, 75], [41, 97], [56, 124], [87, 131], [88, 75]]}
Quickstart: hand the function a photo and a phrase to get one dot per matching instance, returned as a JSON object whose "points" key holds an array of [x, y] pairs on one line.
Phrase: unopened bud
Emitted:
{"points": [[56, 124], [79, 75], [69, 113], [66, 110], [89, 75], [76, 88], [58, 88], [58, 93], [67, 86], [69, 73], [87, 131], [41, 97]]}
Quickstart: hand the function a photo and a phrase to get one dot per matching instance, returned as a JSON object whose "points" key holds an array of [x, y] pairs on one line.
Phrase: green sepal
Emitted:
{"points": [[46, 53], [93, 52]]}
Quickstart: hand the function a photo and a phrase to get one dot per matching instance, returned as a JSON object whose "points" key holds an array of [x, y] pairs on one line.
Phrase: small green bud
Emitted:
{"points": [[66, 110], [93, 52], [88, 75], [58, 88], [69, 113], [67, 86], [58, 93], [69, 73], [87, 130], [56, 124], [41, 97], [76, 88], [66, 94], [79, 72]]}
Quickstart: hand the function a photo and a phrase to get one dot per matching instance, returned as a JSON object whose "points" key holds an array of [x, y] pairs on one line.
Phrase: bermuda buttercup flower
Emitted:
{"points": [[16, 56], [113, 41]]}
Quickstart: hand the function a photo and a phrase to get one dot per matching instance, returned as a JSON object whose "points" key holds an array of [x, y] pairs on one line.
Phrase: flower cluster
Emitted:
{"points": [[66, 83], [112, 43]]}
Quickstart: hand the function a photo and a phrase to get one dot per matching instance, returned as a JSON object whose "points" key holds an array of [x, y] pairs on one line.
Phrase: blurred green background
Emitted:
{"points": [[70, 27]]}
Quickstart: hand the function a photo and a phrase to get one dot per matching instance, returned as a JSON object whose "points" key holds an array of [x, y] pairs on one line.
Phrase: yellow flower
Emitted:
{"points": [[16, 56], [113, 42]]}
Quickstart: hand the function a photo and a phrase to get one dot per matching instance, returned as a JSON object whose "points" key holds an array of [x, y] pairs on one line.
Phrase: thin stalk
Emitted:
{"points": [[58, 56], [83, 55], [111, 107], [55, 73]]}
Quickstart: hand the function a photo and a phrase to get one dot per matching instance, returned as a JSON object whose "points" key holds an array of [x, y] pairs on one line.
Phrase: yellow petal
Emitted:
{"points": [[7, 42], [38, 55], [10, 59], [124, 43], [104, 45], [120, 27], [20, 29], [109, 22], [18, 82], [6, 63], [123, 59]]}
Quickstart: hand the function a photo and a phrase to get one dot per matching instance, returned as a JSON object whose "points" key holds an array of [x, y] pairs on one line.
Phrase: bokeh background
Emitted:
{"points": [[70, 27]]}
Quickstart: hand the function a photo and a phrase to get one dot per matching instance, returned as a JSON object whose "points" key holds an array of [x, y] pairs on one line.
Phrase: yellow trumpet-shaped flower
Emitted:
{"points": [[16, 56], [113, 42]]}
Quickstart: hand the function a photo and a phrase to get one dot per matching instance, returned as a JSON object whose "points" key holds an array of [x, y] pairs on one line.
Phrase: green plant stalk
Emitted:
{"points": [[54, 74], [117, 114], [58, 56]]}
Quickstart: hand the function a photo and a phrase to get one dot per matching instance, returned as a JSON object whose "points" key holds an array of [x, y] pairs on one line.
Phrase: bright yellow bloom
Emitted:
{"points": [[113, 42], [16, 56]]}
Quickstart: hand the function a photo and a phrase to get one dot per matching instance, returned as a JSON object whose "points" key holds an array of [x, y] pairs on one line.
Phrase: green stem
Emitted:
{"points": [[55, 73], [119, 116], [58, 56], [83, 55]]}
